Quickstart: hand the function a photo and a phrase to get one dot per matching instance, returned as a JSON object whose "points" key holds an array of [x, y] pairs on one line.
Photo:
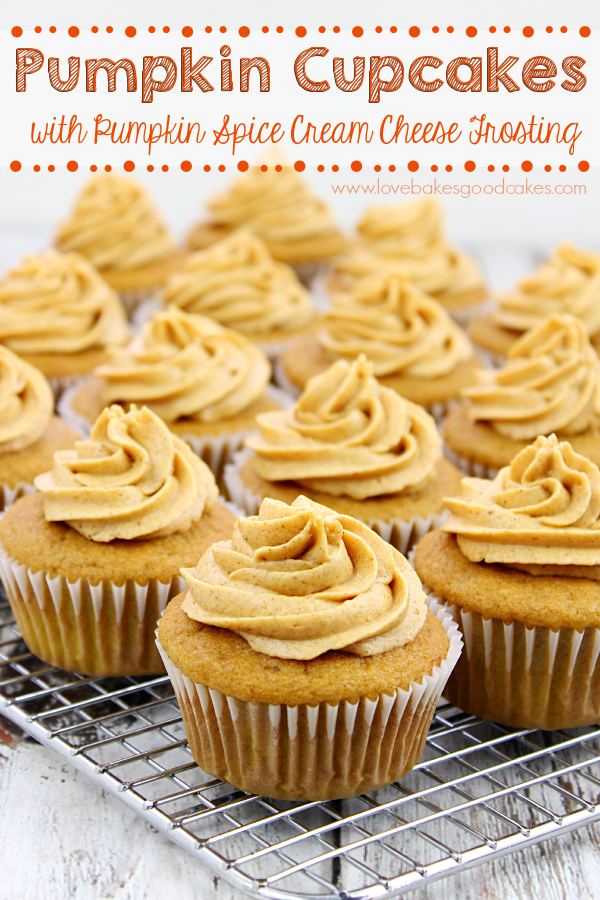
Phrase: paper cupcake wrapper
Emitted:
{"points": [[399, 533], [308, 272], [469, 466], [312, 752], [94, 629], [61, 384], [132, 300], [8, 495]]}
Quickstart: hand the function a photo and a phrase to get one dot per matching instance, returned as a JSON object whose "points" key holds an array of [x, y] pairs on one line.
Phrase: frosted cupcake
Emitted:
{"points": [[356, 446], [29, 433], [280, 209], [567, 283], [57, 313], [411, 237], [517, 566], [550, 383], [304, 660], [415, 347], [237, 282], [115, 225], [90, 561]]}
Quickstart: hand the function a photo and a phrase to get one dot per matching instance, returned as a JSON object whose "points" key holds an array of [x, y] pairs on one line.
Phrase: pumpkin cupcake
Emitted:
{"points": [[415, 347], [90, 561], [517, 566], [567, 283], [550, 383], [29, 433], [303, 656], [57, 313], [356, 446]]}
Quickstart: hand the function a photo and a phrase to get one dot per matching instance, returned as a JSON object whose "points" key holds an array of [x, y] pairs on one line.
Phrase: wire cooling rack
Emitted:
{"points": [[480, 791]]}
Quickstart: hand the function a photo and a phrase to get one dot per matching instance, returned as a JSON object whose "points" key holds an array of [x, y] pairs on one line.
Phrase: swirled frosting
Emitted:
{"points": [[551, 382], [186, 365], [26, 403], [299, 580], [58, 303], [542, 510], [568, 282], [237, 282], [399, 329], [115, 225], [348, 435], [131, 479]]}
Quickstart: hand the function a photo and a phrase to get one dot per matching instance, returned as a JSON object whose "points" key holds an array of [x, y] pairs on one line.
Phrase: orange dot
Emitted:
{"points": [[336, 29], [300, 31], [52, 30], [471, 31], [187, 31], [243, 165], [244, 31], [492, 29], [450, 29], [129, 165], [357, 31], [434, 168], [413, 166], [583, 166], [322, 29], [528, 31], [186, 166], [17, 31], [335, 168], [72, 166], [299, 166], [165, 168], [391, 168], [130, 31], [356, 166], [108, 168], [51, 168], [506, 168], [435, 29], [94, 29], [448, 168], [93, 168], [470, 166], [584, 31], [279, 29], [166, 29], [36, 168], [38, 29], [562, 168], [265, 29], [563, 29], [207, 168], [414, 31], [221, 168], [491, 168], [15, 166], [547, 168], [208, 29], [264, 168], [549, 29], [150, 168], [73, 31], [377, 168], [223, 29], [109, 29], [506, 29], [378, 29], [278, 168], [527, 166], [151, 29], [393, 29], [320, 168]]}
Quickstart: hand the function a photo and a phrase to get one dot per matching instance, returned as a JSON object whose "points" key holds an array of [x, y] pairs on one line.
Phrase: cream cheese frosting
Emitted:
{"points": [[551, 382], [348, 435], [398, 328], [296, 581], [132, 479], [26, 403], [237, 282], [568, 282], [540, 514], [186, 366], [58, 303], [115, 225]]}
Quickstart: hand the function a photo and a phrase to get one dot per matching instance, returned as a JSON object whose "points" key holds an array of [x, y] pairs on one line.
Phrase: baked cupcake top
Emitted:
{"points": [[540, 514], [132, 479], [398, 328], [568, 282], [237, 282], [296, 581], [26, 403], [186, 365], [58, 303], [115, 225], [348, 435], [551, 382]]}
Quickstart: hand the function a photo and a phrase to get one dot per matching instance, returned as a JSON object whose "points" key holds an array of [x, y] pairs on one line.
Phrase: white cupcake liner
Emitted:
{"points": [[61, 384], [95, 629], [309, 271], [312, 752], [8, 495], [399, 533], [469, 466], [132, 300]]}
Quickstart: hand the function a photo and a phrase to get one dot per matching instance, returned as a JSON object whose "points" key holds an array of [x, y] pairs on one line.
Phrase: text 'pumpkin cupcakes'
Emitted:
{"points": [[356, 446], [90, 561], [550, 383], [29, 432], [304, 659], [518, 566], [60, 315]]}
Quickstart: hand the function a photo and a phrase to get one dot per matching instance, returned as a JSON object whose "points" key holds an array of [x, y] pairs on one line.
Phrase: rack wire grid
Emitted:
{"points": [[480, 790]]}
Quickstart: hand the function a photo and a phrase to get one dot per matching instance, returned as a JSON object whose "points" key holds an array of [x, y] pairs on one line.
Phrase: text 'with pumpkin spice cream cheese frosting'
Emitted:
{"points": [[186, 365], [296, 581], [398, 328], [348, 435], [132, 479], [26, 403]]}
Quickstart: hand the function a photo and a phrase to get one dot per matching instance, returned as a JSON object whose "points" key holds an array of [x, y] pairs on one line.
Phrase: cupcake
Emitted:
{"points": [[90, 560], [550, 383], [414, 345], [57, 313], [29, 433], [115, 225], [356, 446], [568, 282], [206, 382], [237, 282], [303, 656], [278, 207], [411, 237], [517, 566]]}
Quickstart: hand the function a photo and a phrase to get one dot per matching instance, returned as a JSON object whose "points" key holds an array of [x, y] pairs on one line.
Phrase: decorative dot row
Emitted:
{"points": [[414, 31], [299, 166]]}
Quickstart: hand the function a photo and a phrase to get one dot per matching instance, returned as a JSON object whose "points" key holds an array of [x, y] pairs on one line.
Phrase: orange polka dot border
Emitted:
{"points": [[301, 30], [299, 165]]}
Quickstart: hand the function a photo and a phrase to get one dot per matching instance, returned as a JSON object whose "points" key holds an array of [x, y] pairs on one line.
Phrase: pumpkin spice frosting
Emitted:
{"points": [[26, 403]]}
